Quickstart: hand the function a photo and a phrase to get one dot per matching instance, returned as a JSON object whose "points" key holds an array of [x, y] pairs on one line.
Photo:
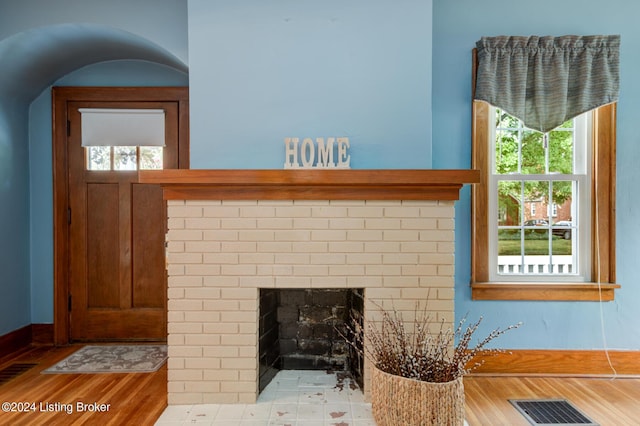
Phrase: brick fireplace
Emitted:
{"points": [[234, 234]]}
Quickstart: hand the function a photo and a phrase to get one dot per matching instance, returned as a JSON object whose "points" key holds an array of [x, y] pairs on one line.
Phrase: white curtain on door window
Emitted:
{"points": [[122, 127]]}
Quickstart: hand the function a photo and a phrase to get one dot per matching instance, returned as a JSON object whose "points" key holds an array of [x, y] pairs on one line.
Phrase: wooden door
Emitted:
{"points": [[115, 248]]}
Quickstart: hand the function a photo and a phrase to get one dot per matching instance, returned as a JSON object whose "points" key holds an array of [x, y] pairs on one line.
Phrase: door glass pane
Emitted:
{"points": [[151, 157], [98, 157], [124, 158]]}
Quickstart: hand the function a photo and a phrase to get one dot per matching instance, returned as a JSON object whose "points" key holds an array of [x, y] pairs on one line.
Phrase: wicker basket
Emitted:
{"points": [[397, 401]]}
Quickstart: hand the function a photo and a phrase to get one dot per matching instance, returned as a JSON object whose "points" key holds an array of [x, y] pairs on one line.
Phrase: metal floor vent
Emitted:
{"points": [[14, 370], [551, 412]]}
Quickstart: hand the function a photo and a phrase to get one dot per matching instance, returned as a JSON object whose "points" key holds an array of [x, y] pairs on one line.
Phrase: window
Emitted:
{"points": [[123, 139], [566, 251], [527, 168], [123, 158]]}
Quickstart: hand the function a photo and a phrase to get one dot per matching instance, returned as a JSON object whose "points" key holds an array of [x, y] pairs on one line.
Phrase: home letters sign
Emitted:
{"points": [[332, 153]]}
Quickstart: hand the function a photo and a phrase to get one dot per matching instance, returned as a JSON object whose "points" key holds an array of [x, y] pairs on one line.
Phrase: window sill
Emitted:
{"points": [[582, 292]]}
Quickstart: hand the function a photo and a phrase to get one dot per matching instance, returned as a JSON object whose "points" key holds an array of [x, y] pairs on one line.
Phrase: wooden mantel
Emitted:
{"points": [[310, 184]]}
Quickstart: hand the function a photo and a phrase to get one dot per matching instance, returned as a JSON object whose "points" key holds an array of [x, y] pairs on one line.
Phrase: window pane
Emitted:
{"points": [[507, 145], [124, 158], [510, 237], [563, 229], [561, 151], [506, 121], [151, 157], [533, 153], [563, 194], [509, 203], [536, 258], [563, 260], [509, 251], [98, 157], [536, 192]]}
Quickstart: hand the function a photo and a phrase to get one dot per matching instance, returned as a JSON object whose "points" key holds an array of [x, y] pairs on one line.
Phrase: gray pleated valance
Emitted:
{"points": [[544, 81]]}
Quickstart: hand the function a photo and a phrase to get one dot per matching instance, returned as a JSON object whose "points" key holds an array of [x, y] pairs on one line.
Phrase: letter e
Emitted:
{"points": [[344, 159]]}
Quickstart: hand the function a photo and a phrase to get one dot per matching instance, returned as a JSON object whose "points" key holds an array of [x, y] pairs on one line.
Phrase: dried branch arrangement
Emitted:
{"points": [[415, 351]]}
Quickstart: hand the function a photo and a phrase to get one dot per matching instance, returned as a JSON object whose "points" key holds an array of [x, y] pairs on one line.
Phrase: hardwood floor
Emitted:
{"points": [[134, 399], [139, 399], [606, 401]]}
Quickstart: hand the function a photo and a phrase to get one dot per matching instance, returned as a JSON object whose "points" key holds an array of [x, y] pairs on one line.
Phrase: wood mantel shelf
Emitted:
{"points": [[310, 184]]}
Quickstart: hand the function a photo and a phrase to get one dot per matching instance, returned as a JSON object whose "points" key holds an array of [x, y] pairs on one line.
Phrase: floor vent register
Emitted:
{"points": [[541, 412]]}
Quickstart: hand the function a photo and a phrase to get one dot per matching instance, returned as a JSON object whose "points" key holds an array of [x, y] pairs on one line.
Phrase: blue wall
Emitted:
{"points": [[362, 69], [263, 71], [14, 220], [457, 26]]}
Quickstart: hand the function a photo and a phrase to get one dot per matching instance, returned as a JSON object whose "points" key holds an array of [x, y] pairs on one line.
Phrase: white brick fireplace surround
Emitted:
{"points": [[232, 233]]}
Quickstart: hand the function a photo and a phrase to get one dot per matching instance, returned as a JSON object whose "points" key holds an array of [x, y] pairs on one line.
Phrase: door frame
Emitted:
{"points": [[61, 96]]}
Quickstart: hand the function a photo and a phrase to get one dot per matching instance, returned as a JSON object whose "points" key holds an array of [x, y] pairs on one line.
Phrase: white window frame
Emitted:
{"points": [[581, 206]]}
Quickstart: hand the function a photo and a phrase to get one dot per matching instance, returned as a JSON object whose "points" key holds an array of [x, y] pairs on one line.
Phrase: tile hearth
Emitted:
{"points": [[294, 398]]}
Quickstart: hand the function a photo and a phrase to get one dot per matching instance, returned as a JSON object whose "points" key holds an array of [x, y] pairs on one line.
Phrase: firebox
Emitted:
{"points": [[305, 329]]}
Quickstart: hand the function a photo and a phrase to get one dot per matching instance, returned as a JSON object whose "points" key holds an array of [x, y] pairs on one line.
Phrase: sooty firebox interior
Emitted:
{"points": [[298, 330]]}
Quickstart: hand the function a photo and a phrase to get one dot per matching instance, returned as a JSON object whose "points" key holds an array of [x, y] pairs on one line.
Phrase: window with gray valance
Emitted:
{"points": [[545, 81]]}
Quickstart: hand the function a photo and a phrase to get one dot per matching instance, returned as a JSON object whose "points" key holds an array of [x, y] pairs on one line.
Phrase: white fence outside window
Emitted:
{"points": [[535, 265]]}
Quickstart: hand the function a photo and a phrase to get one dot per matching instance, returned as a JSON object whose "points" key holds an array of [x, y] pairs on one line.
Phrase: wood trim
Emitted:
{"points": [[311, 184], [604, 188], [577, 292], [42, 334], [60, 97], [480, 194], [184, 153], [38, 334], [15, 340], [560, 363]]}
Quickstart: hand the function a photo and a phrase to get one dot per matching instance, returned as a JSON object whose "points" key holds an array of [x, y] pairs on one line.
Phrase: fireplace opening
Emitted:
{"points": [[298, 330]]}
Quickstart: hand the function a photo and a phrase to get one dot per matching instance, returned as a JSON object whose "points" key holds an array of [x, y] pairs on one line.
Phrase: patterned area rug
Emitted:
{"points": [[112, 359]]}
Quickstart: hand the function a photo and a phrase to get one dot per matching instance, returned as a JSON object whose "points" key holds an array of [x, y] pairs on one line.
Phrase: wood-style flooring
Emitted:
{"points": [[134, 399], [609, 402], [139, 399]]}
